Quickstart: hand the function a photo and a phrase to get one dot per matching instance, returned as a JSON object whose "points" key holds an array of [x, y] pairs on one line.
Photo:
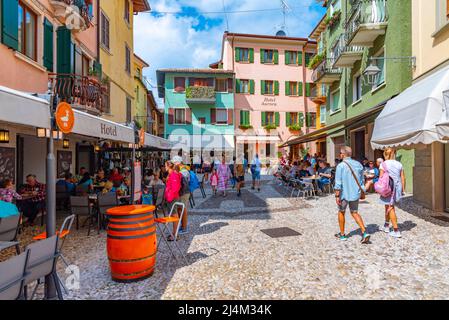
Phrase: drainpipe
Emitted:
{"points": [[98, 31]]}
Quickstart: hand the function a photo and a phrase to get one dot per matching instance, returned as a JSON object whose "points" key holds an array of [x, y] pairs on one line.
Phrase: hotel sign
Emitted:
{"points": [[108, 130], [269, 102]]}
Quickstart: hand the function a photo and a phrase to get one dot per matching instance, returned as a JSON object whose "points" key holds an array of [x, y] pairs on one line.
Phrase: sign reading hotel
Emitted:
{"points": [[108, 130], [269, 102], [65, 118]]}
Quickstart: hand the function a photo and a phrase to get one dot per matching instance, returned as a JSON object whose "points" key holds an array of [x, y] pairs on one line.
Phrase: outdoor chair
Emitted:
{"points": [[62, 196], [9, 228], [308, 189], [81, 190], [160, 202], [191, 200], [43, 256], [164, 227], [80, 206], [105, 202], [203, 193], [12, 276]]}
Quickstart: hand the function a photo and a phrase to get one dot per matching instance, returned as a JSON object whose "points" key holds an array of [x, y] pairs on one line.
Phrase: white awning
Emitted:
{"points": [[204, 142], [443, 126], [92, 126], [411, 117], [22, 108], [258, 138], [157, 142]]}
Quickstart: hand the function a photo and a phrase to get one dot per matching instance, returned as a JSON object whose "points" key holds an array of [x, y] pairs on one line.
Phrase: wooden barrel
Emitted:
{"points": [[131, 242]]}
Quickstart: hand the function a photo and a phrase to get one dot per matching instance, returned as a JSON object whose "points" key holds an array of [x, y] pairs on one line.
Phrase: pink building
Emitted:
{"points": [[273, 91]]}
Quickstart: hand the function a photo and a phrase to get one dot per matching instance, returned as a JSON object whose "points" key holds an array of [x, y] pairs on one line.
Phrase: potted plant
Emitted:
{"points": [[295, 127], [245, 126], [269, 127]]}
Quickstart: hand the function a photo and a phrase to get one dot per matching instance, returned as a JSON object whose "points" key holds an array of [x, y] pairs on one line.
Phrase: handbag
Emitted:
{"points": [[362, 193]]}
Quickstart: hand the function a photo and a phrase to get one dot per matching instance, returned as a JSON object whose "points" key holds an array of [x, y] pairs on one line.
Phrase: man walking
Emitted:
{"points": [[255, 172], [348, 190]]}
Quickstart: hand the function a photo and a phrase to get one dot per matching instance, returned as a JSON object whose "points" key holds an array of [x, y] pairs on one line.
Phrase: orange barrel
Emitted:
{"points": [[132, 242]]}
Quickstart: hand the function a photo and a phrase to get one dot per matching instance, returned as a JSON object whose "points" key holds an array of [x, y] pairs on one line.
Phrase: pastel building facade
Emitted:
{"points": [[273, 91]]}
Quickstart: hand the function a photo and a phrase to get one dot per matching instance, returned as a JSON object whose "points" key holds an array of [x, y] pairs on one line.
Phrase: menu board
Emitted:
{"points": [[64, 163], [7, 163]]}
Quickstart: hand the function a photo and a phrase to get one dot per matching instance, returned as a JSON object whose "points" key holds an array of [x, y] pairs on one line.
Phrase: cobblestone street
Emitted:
{"points": [[231, 258]]}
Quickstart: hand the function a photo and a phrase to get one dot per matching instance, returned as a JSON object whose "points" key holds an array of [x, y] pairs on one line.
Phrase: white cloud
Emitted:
{"points": [[170, 41]]}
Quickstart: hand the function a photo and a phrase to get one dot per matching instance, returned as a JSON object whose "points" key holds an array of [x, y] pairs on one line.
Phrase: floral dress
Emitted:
{"points": [[223, 176]]}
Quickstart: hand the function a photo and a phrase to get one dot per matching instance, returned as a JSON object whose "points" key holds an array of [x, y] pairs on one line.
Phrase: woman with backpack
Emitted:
{"points": [[391, 186], [172, 189]]}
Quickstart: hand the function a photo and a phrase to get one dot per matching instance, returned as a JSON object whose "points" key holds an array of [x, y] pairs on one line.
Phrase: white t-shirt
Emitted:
{"points": [[394, 169]]}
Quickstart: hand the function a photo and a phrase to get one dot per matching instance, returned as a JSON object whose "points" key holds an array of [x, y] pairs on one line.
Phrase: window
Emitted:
{"points": [[292, 88], [357, 88], [201, 82], [268, 56], [380, 79], [243, 86], [104, 30], [243, 54], [292, 118], [244, 118], [269, 118], [221, 85], [311, 119], [180, 116], [322, 114], [442, 13], [127, 59], [126, 13], [180, 84], [222, 116], [291, 57], [27, 32], [335, 100], [128, 110], [268, 87], [202, 120], [308, 57]]}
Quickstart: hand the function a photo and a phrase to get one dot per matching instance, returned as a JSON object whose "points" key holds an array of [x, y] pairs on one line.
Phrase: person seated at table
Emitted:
{"points": [[33, 194], [124, 188], [86, 182], [116, 178], [108, 188], [100, 178], [67, 182], [325, 173], [294, 171], [7, 192], [80, 175], [372, 174], [309, 168], [303, 172], [156, 181], [148, 177]]}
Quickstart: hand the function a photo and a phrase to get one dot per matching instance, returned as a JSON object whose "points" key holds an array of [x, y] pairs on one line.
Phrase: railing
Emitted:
{"points": [[200, 93], [83, 7], [366, 12], [325, 68], [341, 46], [85, 93]]}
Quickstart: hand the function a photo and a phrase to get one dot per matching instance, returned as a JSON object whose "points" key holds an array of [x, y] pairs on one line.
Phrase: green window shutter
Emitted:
{"points": [[299, 62], [66, 51], [262, 56], [262, 86], [48, 45], [276, 88], [10, 23], [242, 117], [263, 119], [237, 85], [247, 120], [287, 88], [251, 55], [288, 120], [276, 57], [307, 89], [276, 119], [307, 59], [308, 120], [237, 54], [300, 90], [251, 87], [287, 57], [301, 119]]}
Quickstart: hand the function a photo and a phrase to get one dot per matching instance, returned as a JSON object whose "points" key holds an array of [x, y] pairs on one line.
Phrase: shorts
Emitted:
{"points": [[185, 199], [256, 175], [353, 206], [240, 179]]}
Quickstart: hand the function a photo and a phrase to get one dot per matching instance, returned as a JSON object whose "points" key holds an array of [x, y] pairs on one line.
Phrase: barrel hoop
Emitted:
{"points": [[123, 223], [132, 274], [130, 216], [131, 237], [131, 229], [134, 260]]}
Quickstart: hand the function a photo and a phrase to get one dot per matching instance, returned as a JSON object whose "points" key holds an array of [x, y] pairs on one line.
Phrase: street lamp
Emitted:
{"points": [[373, 71], [65, 143], [4, 136]]}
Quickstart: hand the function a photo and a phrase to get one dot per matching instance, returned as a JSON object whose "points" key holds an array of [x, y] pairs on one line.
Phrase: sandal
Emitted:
{"points": [[170, 238]]}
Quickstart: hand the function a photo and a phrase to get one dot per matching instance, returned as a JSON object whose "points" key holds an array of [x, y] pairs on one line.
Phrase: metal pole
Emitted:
{"points": [[50, 291], [133, 176]]}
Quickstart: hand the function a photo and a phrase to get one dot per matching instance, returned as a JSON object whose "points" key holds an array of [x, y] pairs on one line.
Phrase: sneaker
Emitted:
{"points": [[386, 229], [182, 231], [395, 234], [365, 237], [342, 237]]}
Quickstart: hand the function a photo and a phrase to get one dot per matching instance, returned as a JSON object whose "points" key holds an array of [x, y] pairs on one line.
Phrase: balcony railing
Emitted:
{"points": [[345, 55], [75, 14], [370, 13], [319, 93], [83, 93], [326, 72], [200, 94]]}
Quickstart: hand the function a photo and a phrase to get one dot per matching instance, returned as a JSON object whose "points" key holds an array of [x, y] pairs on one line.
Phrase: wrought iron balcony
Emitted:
{"points": [[326, 72], [367, 21], [83, 93], [74, 14], [200, 94], [345, 55]]}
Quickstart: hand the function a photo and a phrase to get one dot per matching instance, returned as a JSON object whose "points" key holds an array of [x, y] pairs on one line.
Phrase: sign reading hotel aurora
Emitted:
{"points": [[108, 130]]}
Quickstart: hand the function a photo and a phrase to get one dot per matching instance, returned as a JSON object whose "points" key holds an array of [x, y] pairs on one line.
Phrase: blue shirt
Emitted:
{"points": [[345, 182]]}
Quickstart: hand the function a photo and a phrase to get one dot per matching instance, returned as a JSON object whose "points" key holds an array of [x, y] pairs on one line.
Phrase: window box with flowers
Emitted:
{"points": [[316, 60], [245, 126], [333, 20], [295, 127]]}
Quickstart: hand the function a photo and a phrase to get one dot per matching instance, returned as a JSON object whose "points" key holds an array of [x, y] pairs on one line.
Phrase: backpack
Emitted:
{"points": [[184, 186], [193, 183], [385, 185]]}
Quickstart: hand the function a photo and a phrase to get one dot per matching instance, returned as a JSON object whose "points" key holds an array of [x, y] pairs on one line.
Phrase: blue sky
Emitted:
{"points": [[187, 37]]}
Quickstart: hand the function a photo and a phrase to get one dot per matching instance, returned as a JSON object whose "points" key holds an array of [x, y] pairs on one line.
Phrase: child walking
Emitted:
{"points": [[214, 181]]}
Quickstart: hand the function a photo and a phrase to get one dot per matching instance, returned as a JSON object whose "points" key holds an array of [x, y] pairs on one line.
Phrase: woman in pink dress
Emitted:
{"points": [[224, 173], [214, 181]]}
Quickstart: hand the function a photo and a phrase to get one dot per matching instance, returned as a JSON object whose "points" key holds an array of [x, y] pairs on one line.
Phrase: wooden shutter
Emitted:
{"points": [[237, 85], [10, 23], [242, 117], [308, 120], [299, 62], [237, 54], [230, 85], [307, 89], [276, 56], [300, 119], [276, 88], [288, 120], [276, 119], [230, 116], [188, 115], [251, 55], [247, 118], [262, 86], [213, 115], [65, 51], [287, 57], [171, 116], [251, 87], [48, 45], [262, 55], [300, 90], [287, 88], [263, 118]]}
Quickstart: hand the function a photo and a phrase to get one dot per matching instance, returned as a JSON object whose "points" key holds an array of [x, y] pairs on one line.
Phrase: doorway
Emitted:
{"points": [[359, 145]]}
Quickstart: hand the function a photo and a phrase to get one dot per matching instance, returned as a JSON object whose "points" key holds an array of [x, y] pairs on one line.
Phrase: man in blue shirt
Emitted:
{"points": [[347, 192]]}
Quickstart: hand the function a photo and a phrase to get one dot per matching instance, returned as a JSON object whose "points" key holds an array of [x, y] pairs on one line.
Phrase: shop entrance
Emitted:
{"points": [[359, 145]]}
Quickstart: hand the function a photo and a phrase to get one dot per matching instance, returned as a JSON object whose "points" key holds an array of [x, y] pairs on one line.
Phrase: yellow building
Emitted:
{"points": [[117, 55], [140, 110]]}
